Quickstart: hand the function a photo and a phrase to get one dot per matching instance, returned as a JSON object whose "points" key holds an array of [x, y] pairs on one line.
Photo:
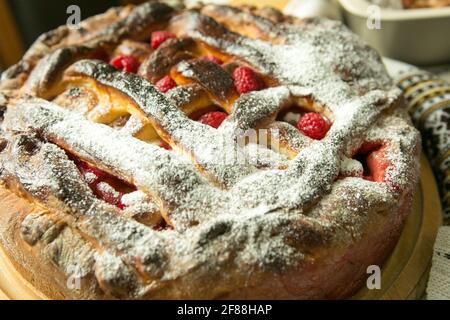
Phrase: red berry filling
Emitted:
{"points": [[86, 168], [213, 119], [246, 80], [159, 37], [377, 164], [104, 185], [162, 226], [166, 146], [372, 155], [126, 63], [212, 59], [313, 125], [101, 55], [165, 84], [108, 194]]}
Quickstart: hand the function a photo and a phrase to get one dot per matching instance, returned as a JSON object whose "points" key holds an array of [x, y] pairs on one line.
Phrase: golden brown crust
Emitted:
{"points": [[374, 247], [300, 222], [36, 263]]}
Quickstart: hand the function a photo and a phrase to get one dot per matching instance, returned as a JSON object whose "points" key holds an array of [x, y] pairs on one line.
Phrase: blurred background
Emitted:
{"points": [[22, 21], [419, 36]]}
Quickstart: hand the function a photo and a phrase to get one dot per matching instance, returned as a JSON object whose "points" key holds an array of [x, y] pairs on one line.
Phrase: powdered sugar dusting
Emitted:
{"points": [[227, 214]]}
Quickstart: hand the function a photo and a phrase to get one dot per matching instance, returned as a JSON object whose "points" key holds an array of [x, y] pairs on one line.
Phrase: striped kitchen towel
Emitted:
{"points": [[428, 99]]}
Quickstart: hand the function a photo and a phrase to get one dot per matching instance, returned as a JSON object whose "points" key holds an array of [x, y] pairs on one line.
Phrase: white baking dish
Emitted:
{"points": [[417, 36]]}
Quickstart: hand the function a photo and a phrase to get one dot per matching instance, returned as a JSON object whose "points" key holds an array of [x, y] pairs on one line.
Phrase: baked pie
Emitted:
{"points": [[208, 153]]}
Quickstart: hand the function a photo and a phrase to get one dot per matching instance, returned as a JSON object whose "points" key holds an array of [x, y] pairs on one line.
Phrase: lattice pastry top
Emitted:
{"points": [[237, 153]]}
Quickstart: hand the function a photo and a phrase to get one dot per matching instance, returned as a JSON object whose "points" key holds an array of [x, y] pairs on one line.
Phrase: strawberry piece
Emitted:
{"points": [[313, 125], [246, 80], [165, 84], [212, 59], [213, 119], [126, 63], [159, 37]]}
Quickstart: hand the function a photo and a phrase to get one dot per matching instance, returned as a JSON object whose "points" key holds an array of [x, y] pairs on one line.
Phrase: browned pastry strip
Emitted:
{"points": [[49, 237], [289, 141], [211, 77], [158, 110], [47, 74], [243, 22], [80, 100], [158, 64], [190, 98]]}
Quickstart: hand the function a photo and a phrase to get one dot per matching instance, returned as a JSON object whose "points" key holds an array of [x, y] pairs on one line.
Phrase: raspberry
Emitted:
{"points": [[127, 63], [313, 125], [246, 80], [165, 84], [213, 119], [159, 37], [212, 59]]}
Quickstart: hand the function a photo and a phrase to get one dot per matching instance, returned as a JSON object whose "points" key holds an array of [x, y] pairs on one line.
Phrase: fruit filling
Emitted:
{"points": [[213, 119], [246, 80], [126, 63], [311, 124], [165, 84], [372, 156], [159, 37], [104, 185]]}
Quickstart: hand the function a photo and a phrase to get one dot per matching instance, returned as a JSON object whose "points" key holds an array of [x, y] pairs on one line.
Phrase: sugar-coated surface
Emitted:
{"points": [[231, 205]]}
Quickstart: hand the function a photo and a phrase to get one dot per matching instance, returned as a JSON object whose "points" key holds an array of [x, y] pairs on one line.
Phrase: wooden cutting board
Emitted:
{"points": [[404, 275]]}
